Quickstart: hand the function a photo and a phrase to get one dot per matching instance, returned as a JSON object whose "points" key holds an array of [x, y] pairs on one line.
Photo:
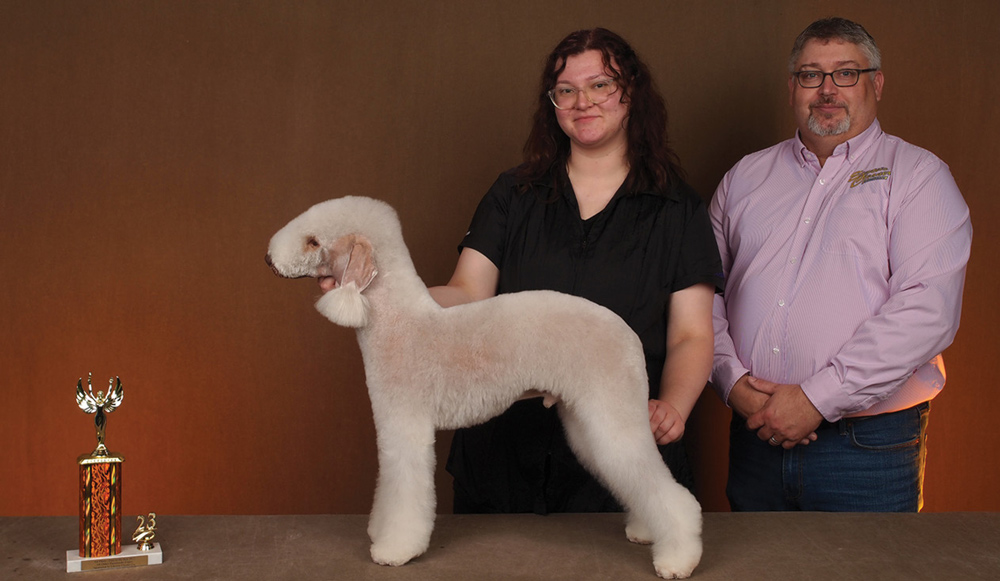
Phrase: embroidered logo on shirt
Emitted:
{"points": [[861, 177]]}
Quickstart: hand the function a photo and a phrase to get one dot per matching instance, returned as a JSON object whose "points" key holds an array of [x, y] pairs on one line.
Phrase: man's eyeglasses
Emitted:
{"points": [[597, 92], [841, 77]]}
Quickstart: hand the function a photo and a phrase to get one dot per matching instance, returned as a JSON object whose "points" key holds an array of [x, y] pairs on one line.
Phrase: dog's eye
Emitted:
{"points": [[312, 242]]}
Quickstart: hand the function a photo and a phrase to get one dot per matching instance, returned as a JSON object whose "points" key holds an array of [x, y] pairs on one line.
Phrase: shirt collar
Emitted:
{"points": [[566, 189], [852, 148]]}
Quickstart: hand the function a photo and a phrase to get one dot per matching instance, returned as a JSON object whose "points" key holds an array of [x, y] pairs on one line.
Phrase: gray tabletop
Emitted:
{"points": [[747, 547]]}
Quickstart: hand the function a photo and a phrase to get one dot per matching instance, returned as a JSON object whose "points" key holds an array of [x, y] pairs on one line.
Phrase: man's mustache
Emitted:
{"points": [[825, 101]]}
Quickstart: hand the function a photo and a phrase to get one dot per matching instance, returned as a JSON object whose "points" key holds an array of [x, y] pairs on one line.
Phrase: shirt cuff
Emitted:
{"points": [[724, 378], [824, 391]]}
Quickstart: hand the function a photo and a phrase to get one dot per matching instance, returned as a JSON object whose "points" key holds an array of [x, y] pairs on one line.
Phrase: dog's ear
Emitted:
{"points": [[354, 268], [360, 268]]}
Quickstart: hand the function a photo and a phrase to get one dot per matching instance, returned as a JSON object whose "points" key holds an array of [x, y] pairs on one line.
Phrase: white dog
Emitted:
{"points": [[430, 368]]}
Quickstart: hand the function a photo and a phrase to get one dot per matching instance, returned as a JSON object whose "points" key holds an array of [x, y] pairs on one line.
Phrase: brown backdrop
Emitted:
{"points": [[149, 149]]}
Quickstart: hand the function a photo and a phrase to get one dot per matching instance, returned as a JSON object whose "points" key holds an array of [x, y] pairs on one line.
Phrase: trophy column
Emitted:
{"points": [[100, 505]]}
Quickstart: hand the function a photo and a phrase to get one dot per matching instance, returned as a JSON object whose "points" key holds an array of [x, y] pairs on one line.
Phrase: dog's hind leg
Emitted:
{"points": [[402, 516], [615, 444]]}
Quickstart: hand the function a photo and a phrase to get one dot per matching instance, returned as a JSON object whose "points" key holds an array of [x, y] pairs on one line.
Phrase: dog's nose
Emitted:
{"points": [[274, 269]]}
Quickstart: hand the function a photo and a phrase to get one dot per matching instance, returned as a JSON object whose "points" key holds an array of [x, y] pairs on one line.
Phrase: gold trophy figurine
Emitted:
{"points": [[100, 403], [145, 532]]}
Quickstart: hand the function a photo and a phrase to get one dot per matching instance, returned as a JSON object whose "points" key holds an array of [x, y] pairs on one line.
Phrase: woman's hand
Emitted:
{"points": [[665, 421]]}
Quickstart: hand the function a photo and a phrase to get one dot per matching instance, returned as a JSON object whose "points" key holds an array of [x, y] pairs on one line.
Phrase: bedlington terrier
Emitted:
{"points": [[430, 368]]}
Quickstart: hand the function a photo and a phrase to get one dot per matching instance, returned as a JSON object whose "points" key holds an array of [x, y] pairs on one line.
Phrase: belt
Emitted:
{"points": [[843, 423]]}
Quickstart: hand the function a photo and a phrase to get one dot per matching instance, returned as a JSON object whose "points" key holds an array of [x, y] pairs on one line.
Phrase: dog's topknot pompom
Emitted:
{"points": [[345, 306]]}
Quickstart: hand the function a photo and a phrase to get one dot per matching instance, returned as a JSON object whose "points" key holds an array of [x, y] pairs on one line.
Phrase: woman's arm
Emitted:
{"points": [[475, 278], [690, 346]]}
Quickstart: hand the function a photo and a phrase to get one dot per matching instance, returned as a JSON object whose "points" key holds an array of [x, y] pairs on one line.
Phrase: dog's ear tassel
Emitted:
{"points": [[345, 306]]}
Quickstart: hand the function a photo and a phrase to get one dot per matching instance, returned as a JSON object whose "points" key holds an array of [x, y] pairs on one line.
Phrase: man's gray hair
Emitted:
{"points": [[837, 28]]}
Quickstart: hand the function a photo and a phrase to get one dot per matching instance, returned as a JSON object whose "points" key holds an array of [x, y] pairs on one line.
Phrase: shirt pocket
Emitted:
{"points": [[856, 224]]}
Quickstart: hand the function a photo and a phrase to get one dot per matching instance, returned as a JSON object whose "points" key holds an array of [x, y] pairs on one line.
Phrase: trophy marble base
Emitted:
{"points": [[130, 556]]}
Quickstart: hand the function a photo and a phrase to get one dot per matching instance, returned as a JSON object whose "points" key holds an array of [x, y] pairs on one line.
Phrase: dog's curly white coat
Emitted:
{"points": [[429, 368]]}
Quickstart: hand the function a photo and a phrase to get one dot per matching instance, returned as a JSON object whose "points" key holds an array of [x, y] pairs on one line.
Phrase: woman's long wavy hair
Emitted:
{"points": [[652, 164]]}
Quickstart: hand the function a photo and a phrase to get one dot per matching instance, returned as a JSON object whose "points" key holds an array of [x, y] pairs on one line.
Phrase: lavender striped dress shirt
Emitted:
{"points": [[845, 279]]}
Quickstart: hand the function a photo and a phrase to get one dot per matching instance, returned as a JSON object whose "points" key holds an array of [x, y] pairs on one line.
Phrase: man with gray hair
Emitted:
{"points": [[844, 250]]}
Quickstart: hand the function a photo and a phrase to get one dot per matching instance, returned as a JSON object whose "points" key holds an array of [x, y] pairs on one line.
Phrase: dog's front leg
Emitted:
{"points": [[402, 516]]}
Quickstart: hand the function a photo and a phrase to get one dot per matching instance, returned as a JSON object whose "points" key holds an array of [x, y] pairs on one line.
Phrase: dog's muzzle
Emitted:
{"points": [[274, 269]]}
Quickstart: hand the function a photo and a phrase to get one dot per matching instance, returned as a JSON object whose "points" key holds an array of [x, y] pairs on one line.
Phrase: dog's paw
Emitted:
{"points": [[638, 534], [681, 560], [394, 555], [676, 567], [637, 531], [669, 572]]}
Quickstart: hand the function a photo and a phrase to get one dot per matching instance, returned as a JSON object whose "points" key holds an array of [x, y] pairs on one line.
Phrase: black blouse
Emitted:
{"points": [[629, 258]]}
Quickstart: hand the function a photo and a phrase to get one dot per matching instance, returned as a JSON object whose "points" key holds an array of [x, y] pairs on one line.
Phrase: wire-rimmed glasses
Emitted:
{"points": [[565, 96]]}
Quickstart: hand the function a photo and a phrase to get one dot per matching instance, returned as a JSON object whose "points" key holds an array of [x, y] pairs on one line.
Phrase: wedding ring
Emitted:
{"points": [[773, 441]]}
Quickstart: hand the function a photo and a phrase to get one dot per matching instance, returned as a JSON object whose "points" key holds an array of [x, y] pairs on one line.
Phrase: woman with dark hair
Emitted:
{"points": [[598, 209]]}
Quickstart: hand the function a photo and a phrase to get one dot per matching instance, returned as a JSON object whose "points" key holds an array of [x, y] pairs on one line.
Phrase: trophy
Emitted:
{"points": [[101, 496]]}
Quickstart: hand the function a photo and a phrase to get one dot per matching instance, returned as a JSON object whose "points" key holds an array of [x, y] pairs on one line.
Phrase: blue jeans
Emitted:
{"points": [[867, 464]]}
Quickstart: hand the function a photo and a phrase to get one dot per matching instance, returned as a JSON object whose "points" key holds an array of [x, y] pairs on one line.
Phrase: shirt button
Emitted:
{"points": [[822, 182], [793, 260], [776, 350], [781, 302], [808, 220]]}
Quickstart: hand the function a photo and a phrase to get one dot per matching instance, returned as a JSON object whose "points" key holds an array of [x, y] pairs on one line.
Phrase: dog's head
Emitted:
{"points": [[331, 241]]}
